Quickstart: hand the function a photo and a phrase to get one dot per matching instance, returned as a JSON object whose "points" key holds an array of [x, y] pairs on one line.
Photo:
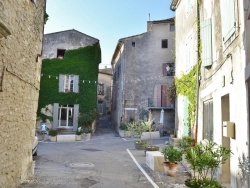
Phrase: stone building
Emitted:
{"points": [[21, 34], [223, 92], [104, 90], [143, 70], [69, 78]]}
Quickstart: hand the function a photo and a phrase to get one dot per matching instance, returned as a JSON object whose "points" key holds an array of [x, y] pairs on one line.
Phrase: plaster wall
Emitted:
{"points": [[226, 77], [185, 39], [70, 39], [20, 66]]}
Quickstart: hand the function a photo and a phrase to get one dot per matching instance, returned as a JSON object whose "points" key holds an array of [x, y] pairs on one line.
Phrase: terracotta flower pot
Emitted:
{"points": [[170, 168]]}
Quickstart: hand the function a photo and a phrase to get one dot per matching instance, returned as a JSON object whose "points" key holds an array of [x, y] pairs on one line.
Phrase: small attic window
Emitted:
{"points": [[133, 44], [60, 53]]}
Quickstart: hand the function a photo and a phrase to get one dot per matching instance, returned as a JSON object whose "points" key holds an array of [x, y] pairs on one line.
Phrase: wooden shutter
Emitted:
{"points": [[208, 120], [206, 41], [185, 117], [75, 117], [61, 83], [55, 115], [164, 65], [228, 18], [163, 96], [157, 96], [76, 83]]}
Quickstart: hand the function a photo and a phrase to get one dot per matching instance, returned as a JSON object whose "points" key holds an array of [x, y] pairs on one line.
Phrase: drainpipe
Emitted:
{"points": [[197, 73]]}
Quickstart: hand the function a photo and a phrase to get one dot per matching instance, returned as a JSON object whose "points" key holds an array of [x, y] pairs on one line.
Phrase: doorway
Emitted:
{"points": [[65, 116], [225, 116]]}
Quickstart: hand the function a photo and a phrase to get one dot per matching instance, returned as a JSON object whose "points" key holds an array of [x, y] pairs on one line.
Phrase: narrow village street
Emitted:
{"points": [[104, 161]]}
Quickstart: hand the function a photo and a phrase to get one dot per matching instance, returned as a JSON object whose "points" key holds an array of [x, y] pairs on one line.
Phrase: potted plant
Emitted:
{"points": [[150, 147], [136, 130], [78, 136], [85, 121], [172, 156], [53, 133], [204, 159]]}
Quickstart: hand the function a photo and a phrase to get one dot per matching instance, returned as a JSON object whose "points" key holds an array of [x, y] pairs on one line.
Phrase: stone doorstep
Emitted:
{"points": [[66, 138], [154, 160]]}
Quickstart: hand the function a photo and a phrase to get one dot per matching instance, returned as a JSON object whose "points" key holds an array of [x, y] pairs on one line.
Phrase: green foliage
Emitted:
{"points": [[78, 132], [244, 166], [46, 17], [186, 86], [85, 120], [205, 183], [172, 154], [83, 62], [137, 129], [123, 127], [187, 142], [53, 132], [206, 157]]}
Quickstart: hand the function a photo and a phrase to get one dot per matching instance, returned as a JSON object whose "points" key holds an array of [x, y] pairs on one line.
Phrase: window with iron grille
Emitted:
{"points": [[208, 120]]}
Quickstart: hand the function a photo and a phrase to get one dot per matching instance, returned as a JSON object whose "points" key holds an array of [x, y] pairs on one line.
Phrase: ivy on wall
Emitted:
{"points": [[187, 85], [83, 62]]}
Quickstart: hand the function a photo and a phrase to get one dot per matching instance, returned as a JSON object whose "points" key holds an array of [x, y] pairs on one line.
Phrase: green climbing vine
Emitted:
{"points": [[83, 62], [187, 84]]}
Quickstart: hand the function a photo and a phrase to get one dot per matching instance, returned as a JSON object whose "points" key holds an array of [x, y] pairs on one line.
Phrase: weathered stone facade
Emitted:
{"points": [[20, 66], [140, 79]]}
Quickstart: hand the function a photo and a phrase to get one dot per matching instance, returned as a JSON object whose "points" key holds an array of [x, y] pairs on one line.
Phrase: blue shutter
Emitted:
{"points": [[55, 115], [206, 41], [76, 82], [227, 18], [61, 83], [75, 117]]}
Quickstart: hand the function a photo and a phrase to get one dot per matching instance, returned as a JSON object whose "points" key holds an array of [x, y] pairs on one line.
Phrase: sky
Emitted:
{"points": [[106, 20]]}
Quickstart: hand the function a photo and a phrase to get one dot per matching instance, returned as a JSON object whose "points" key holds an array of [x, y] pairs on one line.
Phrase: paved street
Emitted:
{"points": [[104, 161]]}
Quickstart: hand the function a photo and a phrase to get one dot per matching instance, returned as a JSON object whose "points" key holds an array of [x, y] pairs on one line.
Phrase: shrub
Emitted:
{"points": [[187, 142], [53, 132], [171, 154], [204, 158], [123, 127]]}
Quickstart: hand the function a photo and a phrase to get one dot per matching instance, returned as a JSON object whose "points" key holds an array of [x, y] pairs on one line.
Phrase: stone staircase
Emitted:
{"points": [[65, 131]]}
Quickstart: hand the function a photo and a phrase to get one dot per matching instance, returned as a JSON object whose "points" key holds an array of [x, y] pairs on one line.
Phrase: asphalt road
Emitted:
{"points": [[104, 161]]}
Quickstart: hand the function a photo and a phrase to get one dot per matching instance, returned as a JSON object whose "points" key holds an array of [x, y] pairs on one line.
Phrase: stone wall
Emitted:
{"points": [[20, 66]]}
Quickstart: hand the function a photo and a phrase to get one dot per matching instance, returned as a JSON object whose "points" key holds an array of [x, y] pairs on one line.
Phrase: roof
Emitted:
{"points": [[169, 20], [69, 31]]}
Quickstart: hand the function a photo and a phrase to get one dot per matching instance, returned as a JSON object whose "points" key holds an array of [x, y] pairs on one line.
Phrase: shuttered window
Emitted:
{"points": [[228, 18], [206, 41], [68, 83], [208, 120]]}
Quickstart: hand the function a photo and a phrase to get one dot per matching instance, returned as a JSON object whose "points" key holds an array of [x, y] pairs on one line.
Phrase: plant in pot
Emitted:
{"points": [[53, 133], [78, 136], [136, 130], [150, 146], [205, 158], [85, 121], [172, 156]]}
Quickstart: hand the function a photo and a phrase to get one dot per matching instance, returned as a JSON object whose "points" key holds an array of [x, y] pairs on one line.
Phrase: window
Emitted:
{"points": [[227, 18], [133, 44], [162, 96], [208, 120], [172, 27], [168, 69], [68, 83], [100, 89], [60, 53], [206, 38], [164, 43]]}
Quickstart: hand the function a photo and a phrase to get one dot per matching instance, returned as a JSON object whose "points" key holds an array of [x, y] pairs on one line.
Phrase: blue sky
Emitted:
{"points": [[106, 20]]}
